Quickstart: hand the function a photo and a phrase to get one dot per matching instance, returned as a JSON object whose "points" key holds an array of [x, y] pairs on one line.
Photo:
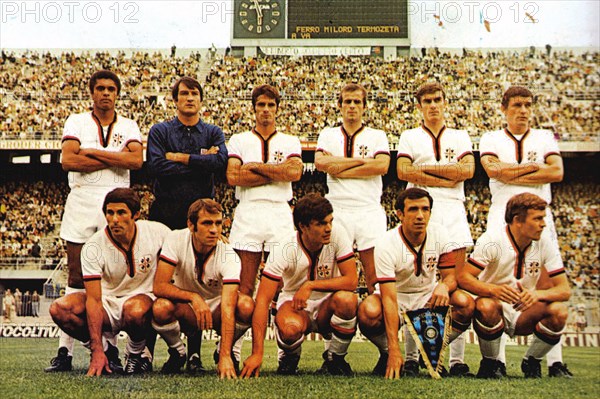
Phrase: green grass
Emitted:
{"points": [[22, 362]]}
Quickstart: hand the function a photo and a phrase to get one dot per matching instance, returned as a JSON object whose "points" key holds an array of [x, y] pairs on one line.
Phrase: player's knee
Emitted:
{"points": [[345, 304], [559, 312], [370, 312], [56, 311], [137, 311], [291, 329], [485, 308], [463, 303], [163, 310], [245, 308]]}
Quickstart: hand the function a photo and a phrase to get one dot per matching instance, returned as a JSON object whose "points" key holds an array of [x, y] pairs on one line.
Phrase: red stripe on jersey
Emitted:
{"points": [[447, 260], [167, 260], [551, 153], [403, 155], [70, 138], [345, 257], [271, 276], [381, 152], [92, 277], [236, 157], [464, 154], [342, 329], [557, 272], [225, 282], [478, 265], [384, 280], [132, 141]]}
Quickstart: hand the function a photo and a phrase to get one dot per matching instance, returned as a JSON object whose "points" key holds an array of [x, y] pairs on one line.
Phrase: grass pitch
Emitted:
{"points": [[22, 362]]}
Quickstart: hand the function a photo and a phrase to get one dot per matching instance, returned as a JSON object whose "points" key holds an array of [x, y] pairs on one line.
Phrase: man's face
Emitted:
{"points": [[518, 113], [352, 106], [188, 100], [533, 225], [415, 216], [432, 107], [318, 231], [208, 228], [105, 94], [265, 110], [119, 219]]}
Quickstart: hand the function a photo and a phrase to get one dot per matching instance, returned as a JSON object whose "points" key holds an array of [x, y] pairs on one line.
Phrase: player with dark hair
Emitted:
{"points": [[98, 150], [317, 269], [503, 272], [439, 160], [262, 164], [184, 155], [407, 258], [197, 288], [519, 159], [118, 265], [355, 157]]}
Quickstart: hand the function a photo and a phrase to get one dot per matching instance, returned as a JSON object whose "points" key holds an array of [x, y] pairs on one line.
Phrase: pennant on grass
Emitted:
{"points": [[430, 329]]}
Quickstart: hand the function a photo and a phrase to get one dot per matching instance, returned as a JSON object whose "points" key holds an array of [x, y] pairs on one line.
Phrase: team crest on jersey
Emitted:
{"points": [[430, 264], [118, 140], [450, 154], [144, 264], [323, 271], [363, 150], [533, 269], [531, 156], [278, 157]]}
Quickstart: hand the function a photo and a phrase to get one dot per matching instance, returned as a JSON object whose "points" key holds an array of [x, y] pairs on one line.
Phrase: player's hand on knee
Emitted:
{"points": [[202, 312], [440, 296], [299, 301], [251, 366], [527, 299], [506, 293]]}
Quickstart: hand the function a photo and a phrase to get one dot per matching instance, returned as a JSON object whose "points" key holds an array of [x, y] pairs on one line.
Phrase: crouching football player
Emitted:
{"points": [[118, 265], [319, 277], [503, 272], [197, 284], [406, 260]]}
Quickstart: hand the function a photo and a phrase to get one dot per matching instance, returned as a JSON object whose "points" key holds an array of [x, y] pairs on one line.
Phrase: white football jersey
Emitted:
{"points": [[122, 272], [207, 275], [251, 147], [293, 264], [86, 129], [365, 143], [501, 262]]}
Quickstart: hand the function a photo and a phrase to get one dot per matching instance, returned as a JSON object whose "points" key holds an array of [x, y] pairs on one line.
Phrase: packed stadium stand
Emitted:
{"points": [[39, 90]]}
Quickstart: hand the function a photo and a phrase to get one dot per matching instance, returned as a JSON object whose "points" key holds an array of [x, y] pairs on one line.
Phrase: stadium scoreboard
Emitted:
{"points": [[320, 22]]}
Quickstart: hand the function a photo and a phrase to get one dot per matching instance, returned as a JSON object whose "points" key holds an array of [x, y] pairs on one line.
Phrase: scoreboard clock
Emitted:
{"points": [[256, 19]]}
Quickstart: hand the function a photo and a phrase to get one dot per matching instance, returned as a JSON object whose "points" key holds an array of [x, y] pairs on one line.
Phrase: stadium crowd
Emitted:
{"points": [[29, 211], [39, 91]]}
